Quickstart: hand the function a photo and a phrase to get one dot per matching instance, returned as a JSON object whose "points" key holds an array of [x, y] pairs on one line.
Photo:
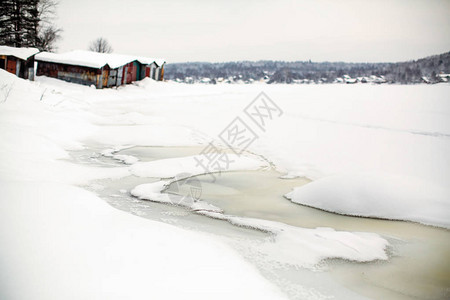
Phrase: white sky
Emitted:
{"points": [[227, 30]]}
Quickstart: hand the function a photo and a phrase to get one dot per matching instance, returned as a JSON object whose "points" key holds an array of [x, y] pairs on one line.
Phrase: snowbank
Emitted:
{"points": [[307, 247], [378, 195], [153, 192], [62, 242], [167, 168], [300, 247], [126, 159]]}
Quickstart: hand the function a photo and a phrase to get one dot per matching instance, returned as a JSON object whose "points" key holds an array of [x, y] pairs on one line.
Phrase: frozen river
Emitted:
{"points": [[419, 255], [88, 191]]}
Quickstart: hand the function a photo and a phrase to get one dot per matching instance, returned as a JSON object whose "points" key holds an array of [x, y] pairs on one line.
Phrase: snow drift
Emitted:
{"points": [[378, 195], [59, 241]]}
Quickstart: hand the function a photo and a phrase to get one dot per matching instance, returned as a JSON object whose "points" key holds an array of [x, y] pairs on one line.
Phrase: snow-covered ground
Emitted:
{"points": [[379, 151], [378, 195], [59, 241]]}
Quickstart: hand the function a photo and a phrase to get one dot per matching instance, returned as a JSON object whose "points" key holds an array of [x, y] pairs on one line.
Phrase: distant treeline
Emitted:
{"points": [[416, 71]]}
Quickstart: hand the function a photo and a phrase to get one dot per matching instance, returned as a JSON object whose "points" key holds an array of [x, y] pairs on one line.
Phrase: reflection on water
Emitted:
{"points": [[419, 265]]}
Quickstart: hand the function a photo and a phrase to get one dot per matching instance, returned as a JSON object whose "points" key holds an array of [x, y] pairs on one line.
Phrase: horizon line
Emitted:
{"points": [[308, 61]]}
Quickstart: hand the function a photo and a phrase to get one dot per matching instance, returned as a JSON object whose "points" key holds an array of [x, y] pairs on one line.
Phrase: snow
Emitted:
{"points": [[181, 168], [127, 159], [139, 135], [392, 131], [61, 241], [95, 59], [147, 60], [378, 195], [376, 151], [326, 130], [168, 168], [300, 247], [304, 247], [22, 53], [153, 192]]}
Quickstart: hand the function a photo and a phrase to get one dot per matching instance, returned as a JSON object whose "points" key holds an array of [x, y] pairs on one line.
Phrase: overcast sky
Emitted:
{"points": [[227, 30]]}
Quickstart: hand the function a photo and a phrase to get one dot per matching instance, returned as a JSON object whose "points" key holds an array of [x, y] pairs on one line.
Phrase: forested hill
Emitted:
{"points": [[416, 71]]}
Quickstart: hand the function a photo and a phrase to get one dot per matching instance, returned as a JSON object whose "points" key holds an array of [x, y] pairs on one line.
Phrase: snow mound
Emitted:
{"points": [[304, 247], [292, 245], [126, 159], [168, 168], [379, 196], [146, 82], [154, 192], [54, 235]]}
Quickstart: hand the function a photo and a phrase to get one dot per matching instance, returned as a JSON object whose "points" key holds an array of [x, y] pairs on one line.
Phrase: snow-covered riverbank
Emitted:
{"points": [[56, 235], [60, 241]]}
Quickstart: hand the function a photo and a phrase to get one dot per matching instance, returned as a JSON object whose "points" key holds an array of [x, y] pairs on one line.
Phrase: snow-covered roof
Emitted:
{"points": [[85, 58], [149, 60], [94, 59], [22, 53]]}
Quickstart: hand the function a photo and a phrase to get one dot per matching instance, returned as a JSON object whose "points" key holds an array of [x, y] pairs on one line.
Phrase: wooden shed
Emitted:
{"points": [[18, 61], [93, 68], [152, 68]]}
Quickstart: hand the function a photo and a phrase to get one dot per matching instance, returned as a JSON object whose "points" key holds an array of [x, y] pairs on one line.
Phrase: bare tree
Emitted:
{"points": [[100, 45], [47, 38], [48, 33]]}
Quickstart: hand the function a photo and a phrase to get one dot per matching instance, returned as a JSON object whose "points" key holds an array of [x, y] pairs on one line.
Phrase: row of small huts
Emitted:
{"points": [[79, 66]]}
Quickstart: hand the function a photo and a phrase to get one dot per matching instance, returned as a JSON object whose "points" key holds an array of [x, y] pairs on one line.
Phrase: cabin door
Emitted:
{"points": [[152, 72], [127, 75], [11, 66], [119, 76], [105, 78], [157, 73], [3, 62], [112, 77], [134, 72], [30, 74], [18, 64]]}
